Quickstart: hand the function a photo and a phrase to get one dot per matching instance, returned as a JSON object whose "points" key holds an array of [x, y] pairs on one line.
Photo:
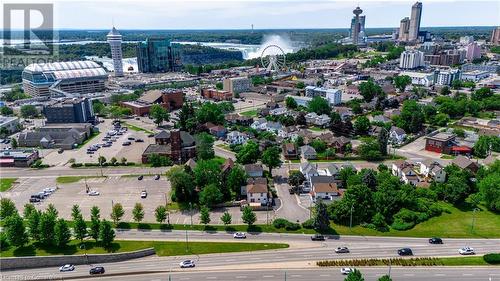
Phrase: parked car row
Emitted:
{"points": [[38, 197], [92, 271]]}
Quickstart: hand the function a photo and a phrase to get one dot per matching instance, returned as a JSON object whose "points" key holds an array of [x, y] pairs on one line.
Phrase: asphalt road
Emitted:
{"points": [[330, 274], [302, 254]]}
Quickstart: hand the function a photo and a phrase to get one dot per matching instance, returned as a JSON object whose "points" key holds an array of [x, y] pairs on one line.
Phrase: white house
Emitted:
{"points": [[332, 170], [259, 124], [397, 135], [236, 137], [404, 170], [256, 190], [420, 78], [290, 132], [432, 169], [318, 120], [278, 111], [324, 187], [308, 170], [273, 127], [308, 152]]}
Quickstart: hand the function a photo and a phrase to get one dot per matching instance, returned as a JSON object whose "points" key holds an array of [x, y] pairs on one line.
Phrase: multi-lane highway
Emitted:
{"points": [[300, 258]]}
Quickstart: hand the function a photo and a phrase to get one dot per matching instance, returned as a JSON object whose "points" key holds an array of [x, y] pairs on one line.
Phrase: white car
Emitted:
{"points": [[346, 270], [67, 267], [49, 190], [186, 263], [467, 251], [239, 235], [94, 193]]}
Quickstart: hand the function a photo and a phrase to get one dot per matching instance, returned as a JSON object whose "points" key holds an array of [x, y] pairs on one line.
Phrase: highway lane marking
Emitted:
{"points": [[409, 274], [241, 277], [211, 277], [268, 276], [467, 274], [123, 267], [439, 274], [296, 275], [324, 275]]}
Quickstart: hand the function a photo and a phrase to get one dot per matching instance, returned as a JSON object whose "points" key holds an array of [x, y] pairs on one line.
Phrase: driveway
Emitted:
{"points": [[290, 208]]}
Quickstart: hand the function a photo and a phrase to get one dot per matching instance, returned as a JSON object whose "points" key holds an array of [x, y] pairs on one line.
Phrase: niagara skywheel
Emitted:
{"points": [[273, 58]]}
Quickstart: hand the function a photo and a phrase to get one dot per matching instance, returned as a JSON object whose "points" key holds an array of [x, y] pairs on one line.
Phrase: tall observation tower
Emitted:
{"points": [[115, 42], [357, 25]]}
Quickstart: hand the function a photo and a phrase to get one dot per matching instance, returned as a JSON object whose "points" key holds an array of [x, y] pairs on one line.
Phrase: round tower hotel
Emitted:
{"points": [[115, 42]]}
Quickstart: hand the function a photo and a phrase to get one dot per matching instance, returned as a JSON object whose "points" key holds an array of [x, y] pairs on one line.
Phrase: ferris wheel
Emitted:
{"points": [[273, 58]]}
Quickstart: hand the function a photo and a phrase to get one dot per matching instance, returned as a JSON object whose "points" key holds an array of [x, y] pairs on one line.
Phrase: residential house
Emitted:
{"points": [[344, 112], [381, 118], [397, 135], [432, 170], [177, 145], [259, 124], [218, 131], [465, 163], [226, 167], [332, 170], [236, 119], [340, 144], [318, 120], [236, 137], [308, 170], [278, 111], [404, 170], [190, 163], [290, 132], [256, 191], [273, 127], [289, 151], [308, 152], [254, 170], [324, 187]]}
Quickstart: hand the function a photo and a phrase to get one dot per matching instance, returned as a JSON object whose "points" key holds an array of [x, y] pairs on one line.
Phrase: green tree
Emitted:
{"points": [[7, 208], [290, 103], [385, 278], [271, 157], [383, 139], [28, 111], [489, 188], [15, 231], [161, 214], [456, 84], [411, 118], [207, 172], [219, 85], [157, 160], [321, 220], [236, 179], [369, 149], [51, 209], [226, 218], [295, 179], [355, 275], [362, 125], [441, 119], [62, 233], [319, 105], [95, 225], [13, 143], [101, 160], [182, 185], [79, 228], [205, 146], [106, 233], [204, 215], [248, 216], [370, 90], [401, 81], [249, 153], [138, 212], [482, 146], [209, 112], [113, 161], [75, 212], [6, 111], [159, 114], [210, 195], [445, 91], [28, 209], [34, 225], [117, 212], [300, 85]]}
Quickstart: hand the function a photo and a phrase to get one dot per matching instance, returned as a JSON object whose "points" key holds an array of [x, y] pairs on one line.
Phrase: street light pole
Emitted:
{"points": [[191, 213], [350, 219], [187, 241]]}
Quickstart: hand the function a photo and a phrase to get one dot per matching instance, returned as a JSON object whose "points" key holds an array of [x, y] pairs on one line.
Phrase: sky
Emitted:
{"points": [[263, 14]]}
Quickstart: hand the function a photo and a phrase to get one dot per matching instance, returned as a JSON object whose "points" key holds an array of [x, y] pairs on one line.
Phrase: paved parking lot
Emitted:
{"points": [[124, 190]]}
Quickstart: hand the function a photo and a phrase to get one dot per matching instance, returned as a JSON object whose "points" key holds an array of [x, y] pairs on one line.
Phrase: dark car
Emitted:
{"points": [[34, 200], [151, 135], [318, 237], [97, 270], [140, 177], [157, 177], [436, 240], [405, 252], [139, 140]]}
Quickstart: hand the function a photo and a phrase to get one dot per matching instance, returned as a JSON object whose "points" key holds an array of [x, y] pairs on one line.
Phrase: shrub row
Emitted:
{"points": [[493, 258], [376, 262], [77, 165], [283, 223]]}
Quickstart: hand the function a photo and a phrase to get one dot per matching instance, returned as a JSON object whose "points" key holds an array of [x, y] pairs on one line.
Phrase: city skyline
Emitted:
{"points": [[291, 14]]}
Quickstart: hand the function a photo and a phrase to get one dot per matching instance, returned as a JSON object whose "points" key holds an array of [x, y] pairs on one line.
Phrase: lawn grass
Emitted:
{"points": [[316, 129], [73, 179], [92, 136], [162, 248], [224, 146], [6, 183], [249, 113], [137, 129]]}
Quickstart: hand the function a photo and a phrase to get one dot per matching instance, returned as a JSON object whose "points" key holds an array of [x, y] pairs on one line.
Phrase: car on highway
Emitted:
{"points": [[435, 240], [67, 267], [144, 194], [342, 250], [94, 193], [42, 195], [405, 252], [131, 138], [346, 270], [139, 140], [126, 143], [157, 177], [140, 177], [34, 200], [318, 237], [467, 251], [186, 264], [239, 235], [96, 270], [90, 152]]}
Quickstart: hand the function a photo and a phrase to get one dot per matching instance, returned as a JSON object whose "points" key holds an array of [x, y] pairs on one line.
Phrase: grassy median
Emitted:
{"points": [[163, 248], [6, 183], [424, 261], [73, 179]]}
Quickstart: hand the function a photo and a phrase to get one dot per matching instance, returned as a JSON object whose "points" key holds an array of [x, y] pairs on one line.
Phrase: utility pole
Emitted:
{"points": [[390, 266], [187, 242], [473, 220], [191, 213]]}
